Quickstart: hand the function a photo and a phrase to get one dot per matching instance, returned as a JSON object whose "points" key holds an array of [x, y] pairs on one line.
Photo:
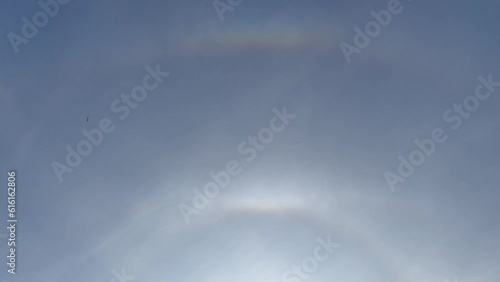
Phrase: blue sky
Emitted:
{"points": [[323, 175]]}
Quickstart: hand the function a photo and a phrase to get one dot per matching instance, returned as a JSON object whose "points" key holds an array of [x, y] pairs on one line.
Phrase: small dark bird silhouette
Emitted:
{"points": [[87, 118]]}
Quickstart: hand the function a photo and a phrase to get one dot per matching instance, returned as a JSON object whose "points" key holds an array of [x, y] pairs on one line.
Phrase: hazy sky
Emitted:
{"points": [[321, 176]]}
